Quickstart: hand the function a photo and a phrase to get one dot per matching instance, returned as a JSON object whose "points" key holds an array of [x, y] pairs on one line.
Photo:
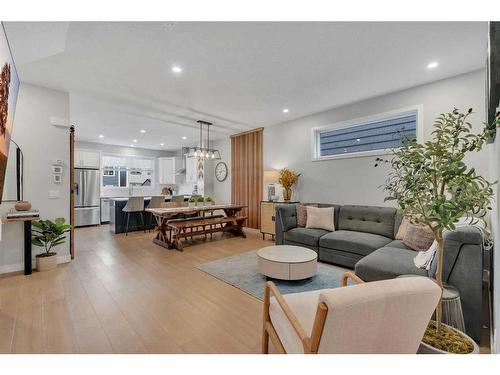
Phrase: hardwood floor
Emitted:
{"points": [[127, 295]]}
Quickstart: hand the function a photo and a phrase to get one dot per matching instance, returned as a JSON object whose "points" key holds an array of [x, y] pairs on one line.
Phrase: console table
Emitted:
{"points": [[27, 239]]}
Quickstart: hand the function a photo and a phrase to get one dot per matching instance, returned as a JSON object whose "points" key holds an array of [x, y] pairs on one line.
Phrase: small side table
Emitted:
{"points": [[452, 308]]}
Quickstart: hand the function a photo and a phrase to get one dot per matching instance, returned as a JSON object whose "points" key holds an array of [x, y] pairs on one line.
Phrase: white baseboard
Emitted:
{"points": [[20, 266]]}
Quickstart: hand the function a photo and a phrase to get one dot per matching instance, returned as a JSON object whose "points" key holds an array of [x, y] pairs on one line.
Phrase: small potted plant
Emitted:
{"points": [[200, 201], [209, 201], [192, 202], [287, 179], [48, 234]]}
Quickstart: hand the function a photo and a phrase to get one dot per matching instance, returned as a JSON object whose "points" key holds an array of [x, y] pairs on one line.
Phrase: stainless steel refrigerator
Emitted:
{"points": [[87, 197]]}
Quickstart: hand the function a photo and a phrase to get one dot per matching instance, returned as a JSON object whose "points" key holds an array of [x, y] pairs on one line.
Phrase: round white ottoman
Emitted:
{"points": [[286, 262]]}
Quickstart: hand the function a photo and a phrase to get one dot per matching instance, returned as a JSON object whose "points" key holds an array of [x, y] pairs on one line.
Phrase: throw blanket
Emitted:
{"points": [[424, 258]]}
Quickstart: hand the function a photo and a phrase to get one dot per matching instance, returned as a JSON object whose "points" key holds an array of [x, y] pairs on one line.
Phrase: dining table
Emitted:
{"points": [[176, 223]]}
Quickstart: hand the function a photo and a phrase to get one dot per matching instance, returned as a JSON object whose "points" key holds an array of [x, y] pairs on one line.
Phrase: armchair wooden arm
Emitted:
{"points": [[350, 275], [310, 343]]}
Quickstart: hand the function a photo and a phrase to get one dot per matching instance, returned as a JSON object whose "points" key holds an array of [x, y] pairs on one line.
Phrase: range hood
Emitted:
{"points": [[182, 169]]}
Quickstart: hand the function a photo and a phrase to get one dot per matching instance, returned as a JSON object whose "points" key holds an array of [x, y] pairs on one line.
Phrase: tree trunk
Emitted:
{"points": [[439, 276]]}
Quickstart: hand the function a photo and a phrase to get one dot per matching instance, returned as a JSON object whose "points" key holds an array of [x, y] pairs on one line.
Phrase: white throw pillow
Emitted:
{"points": [[320, 218]]}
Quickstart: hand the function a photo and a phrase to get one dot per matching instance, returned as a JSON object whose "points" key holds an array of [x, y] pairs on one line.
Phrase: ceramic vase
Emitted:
{"points": [[287, 194]]}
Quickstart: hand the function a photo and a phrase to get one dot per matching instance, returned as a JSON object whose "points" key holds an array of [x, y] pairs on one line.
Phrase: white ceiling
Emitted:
{"points": [[237, 75]]}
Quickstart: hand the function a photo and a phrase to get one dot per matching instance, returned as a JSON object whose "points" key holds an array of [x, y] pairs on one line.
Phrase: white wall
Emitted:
{"points": [[127, 151], [219, 191], [356, 180], [41, 144]]}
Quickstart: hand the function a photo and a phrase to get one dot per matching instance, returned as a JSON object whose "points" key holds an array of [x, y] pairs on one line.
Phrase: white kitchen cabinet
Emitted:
{"points": [[87, 159], [166, 170]]}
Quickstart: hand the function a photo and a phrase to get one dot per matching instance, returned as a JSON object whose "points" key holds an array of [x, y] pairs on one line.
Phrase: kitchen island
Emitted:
{"points": [[117, 218]]}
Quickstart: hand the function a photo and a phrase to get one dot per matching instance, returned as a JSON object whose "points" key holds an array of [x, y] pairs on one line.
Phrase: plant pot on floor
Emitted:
{"points": [[428, 349], [46, 262]]}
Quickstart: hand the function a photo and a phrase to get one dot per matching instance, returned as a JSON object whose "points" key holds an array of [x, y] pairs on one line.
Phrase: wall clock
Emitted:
{"points": [[221, 171]]}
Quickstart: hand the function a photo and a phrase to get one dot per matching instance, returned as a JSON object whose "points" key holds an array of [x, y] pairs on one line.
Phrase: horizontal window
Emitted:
{"points": [[366, 136]]}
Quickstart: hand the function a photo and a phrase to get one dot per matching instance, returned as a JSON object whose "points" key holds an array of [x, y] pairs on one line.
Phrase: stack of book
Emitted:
{"points": [[31, 214]]}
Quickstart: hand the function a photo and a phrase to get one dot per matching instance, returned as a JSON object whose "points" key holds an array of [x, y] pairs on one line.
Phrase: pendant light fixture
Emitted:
{"points": [[200, 152]]}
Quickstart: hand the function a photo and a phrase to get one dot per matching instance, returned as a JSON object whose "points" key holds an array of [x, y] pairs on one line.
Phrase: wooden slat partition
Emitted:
{"points": [[247, 173]]}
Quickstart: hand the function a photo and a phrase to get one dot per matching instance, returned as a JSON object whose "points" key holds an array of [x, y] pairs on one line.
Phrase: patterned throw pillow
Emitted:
{"points": [[418, 237], [302, 214], [320, 218]]}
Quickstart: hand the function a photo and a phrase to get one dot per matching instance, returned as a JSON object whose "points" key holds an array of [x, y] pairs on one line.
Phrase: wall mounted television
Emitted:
{"points": [[493, 72], [9, 88]]}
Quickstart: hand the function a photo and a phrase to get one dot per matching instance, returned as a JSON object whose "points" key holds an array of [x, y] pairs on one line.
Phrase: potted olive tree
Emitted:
{"points": [[48, 234], [435, 187]]}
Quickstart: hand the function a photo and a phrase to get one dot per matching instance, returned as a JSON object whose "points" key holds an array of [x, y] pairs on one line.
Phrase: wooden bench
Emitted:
{"points": [[189, 228]]}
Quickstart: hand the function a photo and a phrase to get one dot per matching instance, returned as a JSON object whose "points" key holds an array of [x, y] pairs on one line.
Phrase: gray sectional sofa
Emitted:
{"points": [[364, 240]]}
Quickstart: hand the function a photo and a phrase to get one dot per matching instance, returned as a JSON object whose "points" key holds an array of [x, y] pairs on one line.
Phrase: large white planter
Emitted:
{"points": [[427, 349], [46, 263]]}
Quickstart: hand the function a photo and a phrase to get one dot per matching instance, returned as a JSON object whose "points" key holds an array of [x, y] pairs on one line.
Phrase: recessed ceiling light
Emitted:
{"points": [[176, 69], [358, 140], [132, 146], [101, 136], [134, 140], [143, 131], [162, 144], [285, 110], [432, 65], [184, 137]]}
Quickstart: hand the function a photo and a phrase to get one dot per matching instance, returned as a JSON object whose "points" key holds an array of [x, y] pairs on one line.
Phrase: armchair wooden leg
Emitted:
{"points": [[350, 275], [265, 320]]}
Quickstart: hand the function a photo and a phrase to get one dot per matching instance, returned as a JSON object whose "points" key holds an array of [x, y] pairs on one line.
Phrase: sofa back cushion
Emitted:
{"points": [[336, 211], [368, 219]]}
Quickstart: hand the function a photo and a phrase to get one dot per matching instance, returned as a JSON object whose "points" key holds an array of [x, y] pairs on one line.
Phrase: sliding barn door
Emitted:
{"points": [[247, 173]]}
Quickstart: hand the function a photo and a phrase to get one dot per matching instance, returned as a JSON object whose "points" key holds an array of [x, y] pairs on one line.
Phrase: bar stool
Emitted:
{"points": [[134, 205], [155, 202]]}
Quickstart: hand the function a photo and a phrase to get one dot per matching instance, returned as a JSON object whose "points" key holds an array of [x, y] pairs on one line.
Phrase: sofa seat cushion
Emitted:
{"points": [[388, 263], [354, 242], [306, 236], [304, 306], [399, 244]]}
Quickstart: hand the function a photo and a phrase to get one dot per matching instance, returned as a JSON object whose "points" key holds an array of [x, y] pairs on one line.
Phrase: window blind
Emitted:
{"points": [[375, 135]]}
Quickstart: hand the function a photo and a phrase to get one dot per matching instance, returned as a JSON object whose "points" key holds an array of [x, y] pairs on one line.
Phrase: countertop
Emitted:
{"points": [[127, 198]]}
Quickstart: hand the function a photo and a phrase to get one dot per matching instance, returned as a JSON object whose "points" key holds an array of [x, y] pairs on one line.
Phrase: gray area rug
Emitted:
{"points": [[241, 271]]}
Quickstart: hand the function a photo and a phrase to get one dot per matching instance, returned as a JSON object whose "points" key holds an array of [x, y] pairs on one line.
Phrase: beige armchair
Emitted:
{"points": [[388, 316]]}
